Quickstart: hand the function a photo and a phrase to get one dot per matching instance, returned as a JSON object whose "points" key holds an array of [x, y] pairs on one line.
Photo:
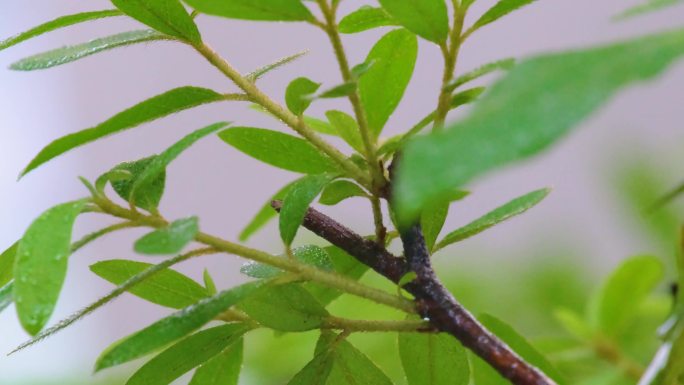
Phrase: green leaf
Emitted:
{"points": [[511, 209], [347, 129], [166, 16], [72, 53], [169, 240], [501, 65], [278, 149], [432, 220], [159, 163], [265, 213], [41, 264], [297, 92], [343, 264], [623, 292], [501, 9], [316, 372], [350, 366], [258, 73], [365, 18], [157, 107], [209, 284], [7, 259], [383, 86], [266, 10], [483, 374], [296, 203], [433, 359], [339, 91], [187, 354], [574, 324], [288, 308], [649, 6], [6, 296], [223, 369], [173, 327], [426, 18], [340, 190], [309, 254], [560, 90], [320, 126], [166, 288], [146, 196], [56, 24]]}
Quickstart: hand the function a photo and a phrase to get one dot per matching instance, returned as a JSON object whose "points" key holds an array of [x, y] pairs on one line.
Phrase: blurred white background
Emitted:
{"points": [[225, 188]]}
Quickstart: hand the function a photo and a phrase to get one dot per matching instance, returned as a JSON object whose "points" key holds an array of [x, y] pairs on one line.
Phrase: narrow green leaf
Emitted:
{"points": [[350, 366], [347, 128], [432, 220], [574, 324], [297, 201], [173, 327], [72, 53], [433, 359], [7, 259], [266, 213], [265, 10], [316, 372], [501, 9], [209, 284], [166, 288], [343, 264], [623, 291], [309, 254], [223, 369], [360, 69], [339, 91], [340, 190], [166, 16], [426, 18], [159, 163], [278, 149], [383, 86], [169, 240], [41, 264], [483, 374], [56, 24], [286, 307], [501, 65], [511, 209], [147, 196], [297, 92], [187, 354], [560, 90], [157, 107], [6, 298], [258, 73], [648, 6], [365, 18], [320, 126]]}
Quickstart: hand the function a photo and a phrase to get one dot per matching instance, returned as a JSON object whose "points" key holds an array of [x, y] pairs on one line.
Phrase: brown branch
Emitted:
{"points": [[433, 300]]}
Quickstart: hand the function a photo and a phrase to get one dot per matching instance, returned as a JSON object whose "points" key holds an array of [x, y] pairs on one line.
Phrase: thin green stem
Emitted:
{"points": [[100, 233], [450, 54], [352, 325], [295, 122]]}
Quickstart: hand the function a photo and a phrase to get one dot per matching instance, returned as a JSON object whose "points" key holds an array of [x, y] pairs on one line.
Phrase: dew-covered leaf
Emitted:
{"points": [[223, 369], [500, 65], [166, 16], [426, 18], [173, 327], [297, 94], [278, 149], [343, 264], [166, 288], [526, 112], [347, 128], [340, 190], [502, 213], [72, 53], [365, 18], [382, 87], [297, 201], [499, 10], [7, 259], [433, 359], [146, 196], [266, 10], [309, 254], [187, 354], [623, 292], [41, 264], [169, 240], [157, 107], [60, 22], [265, 214]]}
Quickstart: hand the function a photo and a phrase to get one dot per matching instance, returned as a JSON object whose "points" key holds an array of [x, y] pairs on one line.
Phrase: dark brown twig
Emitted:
{"points": [[433, 300]]}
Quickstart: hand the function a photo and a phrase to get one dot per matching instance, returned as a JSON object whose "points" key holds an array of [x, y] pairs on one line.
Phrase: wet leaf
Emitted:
{"points": [[169, 240], [309, 254], [146, 196]]}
